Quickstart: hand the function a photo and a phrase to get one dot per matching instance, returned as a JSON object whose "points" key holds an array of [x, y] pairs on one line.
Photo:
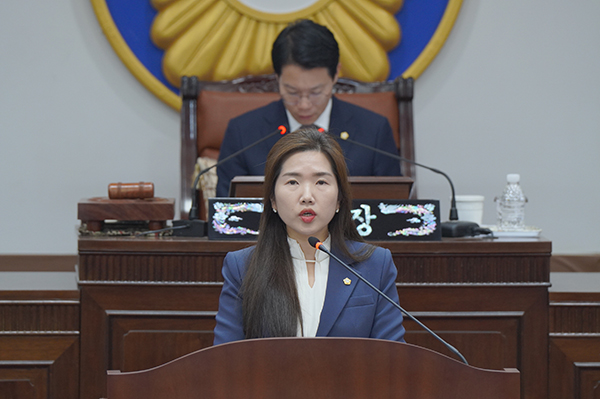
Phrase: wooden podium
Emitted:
{"points": [[314, 368]]}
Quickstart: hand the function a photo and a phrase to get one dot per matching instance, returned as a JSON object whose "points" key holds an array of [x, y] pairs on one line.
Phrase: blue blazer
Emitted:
{"points": [[363, 126], [353, 310]]}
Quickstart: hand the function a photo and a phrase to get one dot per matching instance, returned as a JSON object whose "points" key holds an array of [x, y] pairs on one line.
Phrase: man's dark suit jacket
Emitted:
{"points": [[350, 310], [362, 125]]}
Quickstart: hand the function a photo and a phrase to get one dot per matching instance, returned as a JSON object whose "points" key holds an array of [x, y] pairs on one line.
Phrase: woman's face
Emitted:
{"points": [[306, 195]]}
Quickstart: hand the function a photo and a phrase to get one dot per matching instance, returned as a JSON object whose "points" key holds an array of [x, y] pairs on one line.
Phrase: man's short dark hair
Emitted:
{"points": [[308, 45]]}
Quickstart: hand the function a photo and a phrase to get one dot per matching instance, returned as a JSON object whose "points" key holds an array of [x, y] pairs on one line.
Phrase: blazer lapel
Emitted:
{"points": [[277, 115], [340, 285], [339, 116], [340, 121]]}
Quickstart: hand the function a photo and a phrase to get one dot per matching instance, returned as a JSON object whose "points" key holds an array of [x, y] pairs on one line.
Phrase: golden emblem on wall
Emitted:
{"points": [[227, 39], [160, 41]]}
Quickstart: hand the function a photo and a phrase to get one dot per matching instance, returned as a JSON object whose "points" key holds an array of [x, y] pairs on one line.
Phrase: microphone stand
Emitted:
{"points": [[193, 227], [314, 241], [453, 228]]}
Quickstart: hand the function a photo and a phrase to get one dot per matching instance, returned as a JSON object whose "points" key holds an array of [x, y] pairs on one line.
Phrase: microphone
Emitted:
{"points": [[197, 228], [453, 228], [194, 210], [316, 243]]}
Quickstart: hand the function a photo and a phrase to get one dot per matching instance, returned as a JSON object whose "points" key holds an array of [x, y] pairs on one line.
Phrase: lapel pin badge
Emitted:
{"points": [[347, 281]]}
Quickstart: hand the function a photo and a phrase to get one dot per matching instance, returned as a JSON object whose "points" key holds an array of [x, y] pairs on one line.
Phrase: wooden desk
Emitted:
{"points": [[145, 301]]}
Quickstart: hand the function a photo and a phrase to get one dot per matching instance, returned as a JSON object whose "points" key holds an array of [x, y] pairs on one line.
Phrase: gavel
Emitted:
{"points": [[139, 190]]}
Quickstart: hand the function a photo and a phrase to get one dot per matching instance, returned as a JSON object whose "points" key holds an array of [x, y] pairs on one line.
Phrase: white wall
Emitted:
{"points": [[515, 89]]}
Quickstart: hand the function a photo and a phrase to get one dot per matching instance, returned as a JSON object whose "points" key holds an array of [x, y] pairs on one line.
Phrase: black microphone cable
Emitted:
{"points": [[163, 230], [453, 228]]}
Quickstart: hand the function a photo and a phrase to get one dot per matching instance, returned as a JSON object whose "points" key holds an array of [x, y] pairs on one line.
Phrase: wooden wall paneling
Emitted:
{"points": [[483, 277], [469, 332], [137, 326], [575, 263], [574, 367], [574, 345], [39, 344], [19, 380], [140, 267], [38, 263], [472, 268], [589, 376], [50, 364], [145, 339], [493, 326]]}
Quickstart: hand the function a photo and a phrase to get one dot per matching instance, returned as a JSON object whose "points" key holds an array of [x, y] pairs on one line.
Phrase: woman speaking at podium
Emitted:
{"points": [[283, 287]]}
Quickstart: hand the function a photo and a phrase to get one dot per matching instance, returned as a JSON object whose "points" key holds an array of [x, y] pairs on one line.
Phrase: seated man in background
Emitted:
{"points": [[305, 58]]}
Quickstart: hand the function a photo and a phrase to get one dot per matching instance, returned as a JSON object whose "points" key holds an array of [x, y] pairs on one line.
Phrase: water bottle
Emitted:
{"points": [[511, 205]]}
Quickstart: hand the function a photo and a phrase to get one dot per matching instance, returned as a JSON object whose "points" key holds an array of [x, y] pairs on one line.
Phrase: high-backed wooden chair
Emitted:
{"points": [[208, 106]]}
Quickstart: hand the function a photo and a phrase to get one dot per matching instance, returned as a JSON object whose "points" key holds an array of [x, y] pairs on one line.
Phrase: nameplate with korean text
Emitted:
{"points": [[376, 220]]}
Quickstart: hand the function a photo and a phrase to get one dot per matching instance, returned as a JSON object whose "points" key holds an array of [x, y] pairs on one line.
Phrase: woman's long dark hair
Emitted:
{"points": [[270, 301]]}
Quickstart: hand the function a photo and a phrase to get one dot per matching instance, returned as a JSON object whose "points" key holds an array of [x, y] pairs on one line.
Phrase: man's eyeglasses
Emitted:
{"points": [[314, 98]]}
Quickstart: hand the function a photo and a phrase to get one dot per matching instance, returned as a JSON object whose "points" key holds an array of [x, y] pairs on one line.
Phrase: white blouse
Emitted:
{"points": [[311, 298]]}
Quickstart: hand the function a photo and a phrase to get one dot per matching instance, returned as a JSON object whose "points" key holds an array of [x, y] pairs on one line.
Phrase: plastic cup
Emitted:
{"points": [[470, 208]]}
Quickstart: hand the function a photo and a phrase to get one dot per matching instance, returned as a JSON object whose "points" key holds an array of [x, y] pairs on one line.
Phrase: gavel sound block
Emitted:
{"points": [[127, 202], [94, 211]]}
